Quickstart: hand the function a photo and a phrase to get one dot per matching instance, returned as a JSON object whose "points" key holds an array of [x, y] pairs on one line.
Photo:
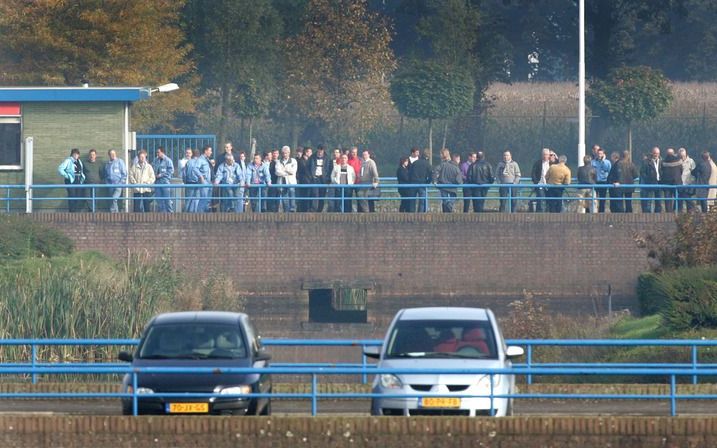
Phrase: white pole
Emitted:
{"points": [[126, 137], [28, 173], [581, 78]]}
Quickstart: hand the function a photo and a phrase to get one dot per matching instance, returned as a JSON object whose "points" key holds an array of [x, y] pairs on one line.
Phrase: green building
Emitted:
{"points": [[40, 125]]}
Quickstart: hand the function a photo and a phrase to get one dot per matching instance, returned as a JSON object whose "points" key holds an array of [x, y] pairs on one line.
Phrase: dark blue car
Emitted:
{"points": [[199, 339]]}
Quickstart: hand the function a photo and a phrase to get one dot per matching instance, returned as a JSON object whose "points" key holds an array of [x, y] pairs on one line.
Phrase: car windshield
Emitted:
{"points": [[193, 341], [442, 339]]}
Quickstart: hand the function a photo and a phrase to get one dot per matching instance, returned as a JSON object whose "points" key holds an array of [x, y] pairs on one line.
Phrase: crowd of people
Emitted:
{"points": [[272, 181]]}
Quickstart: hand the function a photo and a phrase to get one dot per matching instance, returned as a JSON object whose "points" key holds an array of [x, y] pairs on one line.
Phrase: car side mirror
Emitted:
{"points": [[125, 356], [372, 351], [514, 351], [262, 355]]}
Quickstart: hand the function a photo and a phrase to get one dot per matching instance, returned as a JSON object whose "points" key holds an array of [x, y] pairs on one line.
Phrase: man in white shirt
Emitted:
{"points": [[286, 168]]}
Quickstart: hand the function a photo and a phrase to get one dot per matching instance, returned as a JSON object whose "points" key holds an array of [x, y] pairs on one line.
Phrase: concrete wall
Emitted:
{"points": [[404, 260], [520, 432], [59, 127]]}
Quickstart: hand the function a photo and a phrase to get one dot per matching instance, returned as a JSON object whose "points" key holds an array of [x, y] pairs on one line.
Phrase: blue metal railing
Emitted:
{"points": [[314, 395], [367, 366], [339, 198]]}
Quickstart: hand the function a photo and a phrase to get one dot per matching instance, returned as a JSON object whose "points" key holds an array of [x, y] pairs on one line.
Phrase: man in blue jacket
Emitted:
{"points": [[602, 169], [115, 174], [257, 176], [204, 167], [191, 177], [163, 170], [72, 172]]}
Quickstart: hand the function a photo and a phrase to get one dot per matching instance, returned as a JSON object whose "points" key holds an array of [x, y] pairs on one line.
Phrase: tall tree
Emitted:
{"points": [[235, 43], [108, 43], [429, 90], [630, 95], [338, 68]]}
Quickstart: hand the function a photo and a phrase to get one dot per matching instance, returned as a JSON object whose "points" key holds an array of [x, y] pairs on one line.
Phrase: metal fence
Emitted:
{"points": [[386, 197], [174, 144]]}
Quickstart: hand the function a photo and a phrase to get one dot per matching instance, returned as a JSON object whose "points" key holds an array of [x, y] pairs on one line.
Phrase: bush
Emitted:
{"points": [[685, 297], [22, 237], [653, 293], [692, 302]]}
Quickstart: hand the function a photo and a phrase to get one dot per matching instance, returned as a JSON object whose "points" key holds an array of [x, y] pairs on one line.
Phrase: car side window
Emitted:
{"points": [[254, 340]]}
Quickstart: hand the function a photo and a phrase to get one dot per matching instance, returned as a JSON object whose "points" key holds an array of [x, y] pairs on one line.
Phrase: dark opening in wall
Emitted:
{"points": [[338, 305]]}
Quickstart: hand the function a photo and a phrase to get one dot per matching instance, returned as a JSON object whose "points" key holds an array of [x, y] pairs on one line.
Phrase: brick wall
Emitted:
{"points": [[524, 432], [457, 259]]}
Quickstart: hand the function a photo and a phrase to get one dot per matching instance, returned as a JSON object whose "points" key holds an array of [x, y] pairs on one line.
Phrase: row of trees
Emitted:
{"points": [[327, 70]]}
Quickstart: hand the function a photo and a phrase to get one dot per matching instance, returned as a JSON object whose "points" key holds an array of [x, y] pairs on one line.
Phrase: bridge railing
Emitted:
{"points": [[339, 197], [367, 366], [314, 395]]}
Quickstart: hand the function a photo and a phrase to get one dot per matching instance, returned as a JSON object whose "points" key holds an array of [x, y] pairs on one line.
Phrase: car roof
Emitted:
{"points": [[214, 317], [444, 313]]}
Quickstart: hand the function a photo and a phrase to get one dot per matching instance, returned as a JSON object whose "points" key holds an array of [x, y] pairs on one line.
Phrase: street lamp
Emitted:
{"points": [[164, 88], [581, 82]]}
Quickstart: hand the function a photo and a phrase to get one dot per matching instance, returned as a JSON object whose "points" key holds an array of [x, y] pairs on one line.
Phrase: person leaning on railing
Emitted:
{"points": [[480, 173], [508, 172], [71, 170], [625, 174], [402, 177], [319, 169], [257, 179], [651, 174], [448, 173], [368, 174], [557, 175], [115, 174], [142, 173], [343, 174], [672, 176], [587, 176], [705, 174], [420, 173]]}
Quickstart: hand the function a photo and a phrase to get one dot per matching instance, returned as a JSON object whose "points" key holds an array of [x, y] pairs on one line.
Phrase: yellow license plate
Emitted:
{"points": [[188, 408], [440, 402]]}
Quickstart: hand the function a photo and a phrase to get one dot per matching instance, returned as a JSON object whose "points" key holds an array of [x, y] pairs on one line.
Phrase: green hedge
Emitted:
{"points": [[685, 297]]}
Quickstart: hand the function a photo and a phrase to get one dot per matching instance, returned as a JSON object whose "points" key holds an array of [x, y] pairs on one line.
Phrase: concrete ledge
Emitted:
{"points": [[437, 218], [279, 432]]}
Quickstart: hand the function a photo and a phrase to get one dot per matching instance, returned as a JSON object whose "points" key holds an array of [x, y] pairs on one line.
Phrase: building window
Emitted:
{"points": [[10, 143], [338, 305]]}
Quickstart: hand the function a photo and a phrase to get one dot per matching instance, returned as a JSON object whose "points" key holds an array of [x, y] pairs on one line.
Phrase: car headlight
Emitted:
{"points": [[389, 381], [484, 381], [234, 390], [140, 390]]}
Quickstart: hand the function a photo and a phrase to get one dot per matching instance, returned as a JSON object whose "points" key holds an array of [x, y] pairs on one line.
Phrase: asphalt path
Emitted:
{"points": [[361, 407]]}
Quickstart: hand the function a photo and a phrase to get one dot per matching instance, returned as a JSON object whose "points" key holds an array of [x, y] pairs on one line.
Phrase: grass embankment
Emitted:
{"points": [[50, 291]]}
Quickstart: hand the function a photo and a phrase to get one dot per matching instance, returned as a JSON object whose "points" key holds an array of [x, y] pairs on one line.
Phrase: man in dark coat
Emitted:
{"points": [[419, 172], [671, 175], [651, 174], [480, 173]]}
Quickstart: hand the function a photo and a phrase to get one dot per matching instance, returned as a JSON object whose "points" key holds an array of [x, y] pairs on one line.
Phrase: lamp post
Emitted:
{"points": [[581, 82]]}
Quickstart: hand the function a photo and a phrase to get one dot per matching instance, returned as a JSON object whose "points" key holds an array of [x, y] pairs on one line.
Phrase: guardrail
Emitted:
{"points": [[367, 367], [314, 395], [339, 197]]}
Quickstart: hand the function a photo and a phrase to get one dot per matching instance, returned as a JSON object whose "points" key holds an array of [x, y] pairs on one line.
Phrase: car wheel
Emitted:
{"points": [[126, 410], [509, 408], [267, 408]]}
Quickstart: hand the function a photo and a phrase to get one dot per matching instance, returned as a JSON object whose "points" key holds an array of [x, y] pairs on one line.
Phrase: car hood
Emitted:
{"points": [[184, 382], [433, 363]]}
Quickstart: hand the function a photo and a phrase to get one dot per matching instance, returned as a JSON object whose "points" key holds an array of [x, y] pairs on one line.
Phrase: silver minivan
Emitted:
{"points": [[443, 338]]}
